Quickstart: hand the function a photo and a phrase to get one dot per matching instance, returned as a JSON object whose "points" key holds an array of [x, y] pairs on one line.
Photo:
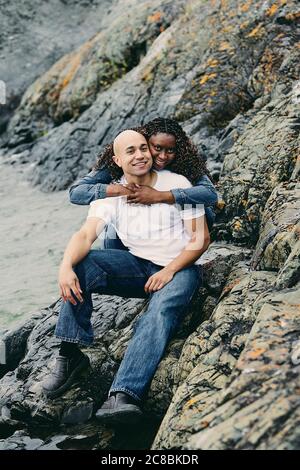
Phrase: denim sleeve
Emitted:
{"points": [[90, 187], [203, 192]]}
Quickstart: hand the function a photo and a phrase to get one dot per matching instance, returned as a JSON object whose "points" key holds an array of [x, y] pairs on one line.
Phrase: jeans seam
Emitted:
{"points": [[73, 340], [124, 389], [98, 278], [128, 277]]}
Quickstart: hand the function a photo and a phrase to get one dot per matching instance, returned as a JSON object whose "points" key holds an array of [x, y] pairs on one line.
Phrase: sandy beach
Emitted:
{"points": [[35, 228]]}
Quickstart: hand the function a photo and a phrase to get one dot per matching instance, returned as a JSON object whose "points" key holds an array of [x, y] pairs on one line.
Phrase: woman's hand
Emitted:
{"points": [[158, 280], [68, 285], [142, 194]]}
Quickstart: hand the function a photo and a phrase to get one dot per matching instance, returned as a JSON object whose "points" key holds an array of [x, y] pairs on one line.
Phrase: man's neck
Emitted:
{"points": [[148, 179]]}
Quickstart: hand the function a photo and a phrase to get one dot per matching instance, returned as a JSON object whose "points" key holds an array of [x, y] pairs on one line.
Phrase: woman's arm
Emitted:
{"points": [[91, 187], [203, 192], [95, 185]]}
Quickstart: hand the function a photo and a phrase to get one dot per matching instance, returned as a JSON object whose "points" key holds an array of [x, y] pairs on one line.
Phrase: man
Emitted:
{"points": [[164, 243]]}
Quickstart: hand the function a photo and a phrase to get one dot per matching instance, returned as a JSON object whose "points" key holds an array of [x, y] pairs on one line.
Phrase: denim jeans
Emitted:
{"points": [[118, 272]]}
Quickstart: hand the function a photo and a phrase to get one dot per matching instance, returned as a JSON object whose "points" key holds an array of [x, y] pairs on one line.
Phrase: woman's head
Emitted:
{"points": [[163, 136], [172, 149]]}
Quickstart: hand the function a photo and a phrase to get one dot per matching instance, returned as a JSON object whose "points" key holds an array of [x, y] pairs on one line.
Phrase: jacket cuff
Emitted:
{"points": [[100, 191], [179, 196]]}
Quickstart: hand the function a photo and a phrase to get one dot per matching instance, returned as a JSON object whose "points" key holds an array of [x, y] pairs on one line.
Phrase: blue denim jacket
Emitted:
{"points": [[93, 186]]}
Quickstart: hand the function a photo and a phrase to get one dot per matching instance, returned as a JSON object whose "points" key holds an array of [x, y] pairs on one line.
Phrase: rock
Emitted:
{"points": [[243, 182], [204, 77], [218, 261], [33, 36], [20, 441], [14, 343], [280, 230], [113, 322], [259, 409], [210, 354], [73, 83]]}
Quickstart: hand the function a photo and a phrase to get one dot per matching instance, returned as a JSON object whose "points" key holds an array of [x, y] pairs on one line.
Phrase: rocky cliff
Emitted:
{"points": [[229, 72]]}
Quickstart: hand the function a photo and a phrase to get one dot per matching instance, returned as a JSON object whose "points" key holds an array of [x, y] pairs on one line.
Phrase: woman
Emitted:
{"points": [[171, 149]]}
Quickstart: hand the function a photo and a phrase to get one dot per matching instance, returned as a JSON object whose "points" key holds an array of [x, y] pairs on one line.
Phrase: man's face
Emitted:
{"points": [[132, 153], [163, 149]]}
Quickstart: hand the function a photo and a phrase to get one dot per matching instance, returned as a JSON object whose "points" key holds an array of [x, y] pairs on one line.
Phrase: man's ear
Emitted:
{"points": [[117, 160]]}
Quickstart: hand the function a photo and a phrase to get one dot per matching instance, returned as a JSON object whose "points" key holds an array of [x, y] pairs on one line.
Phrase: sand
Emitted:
{"points": [[35, 228]]}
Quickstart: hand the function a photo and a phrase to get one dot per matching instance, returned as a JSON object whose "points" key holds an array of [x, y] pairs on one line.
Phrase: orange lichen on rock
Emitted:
{"points": [[207, 77], [272, 10], [237, 225], [212, 62], [229, 287], [256, 353], [292, 16], [227, 29], [155, 17], [190, 403], [74, 65], [225, 45], [244, 8], [220, 204], [244, 24], [268, 64], [256, 32]]}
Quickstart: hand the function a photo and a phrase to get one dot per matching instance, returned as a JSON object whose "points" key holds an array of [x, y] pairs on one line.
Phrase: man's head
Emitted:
{"points": [[132, 154]]}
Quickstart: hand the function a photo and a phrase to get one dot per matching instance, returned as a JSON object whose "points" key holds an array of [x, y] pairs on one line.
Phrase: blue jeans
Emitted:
{"points": [[118, 272]]}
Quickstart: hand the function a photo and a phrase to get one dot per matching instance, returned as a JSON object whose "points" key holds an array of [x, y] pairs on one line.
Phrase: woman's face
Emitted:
{"points": [[163, 149]]}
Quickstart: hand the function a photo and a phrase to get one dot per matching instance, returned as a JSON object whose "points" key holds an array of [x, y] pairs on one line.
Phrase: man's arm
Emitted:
{"points": [[199, 242], [77, 248]]}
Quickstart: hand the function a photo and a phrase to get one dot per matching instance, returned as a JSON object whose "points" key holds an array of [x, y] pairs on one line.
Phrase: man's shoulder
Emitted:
{"points": [[103, 207], [174, 180], [102, 202]]}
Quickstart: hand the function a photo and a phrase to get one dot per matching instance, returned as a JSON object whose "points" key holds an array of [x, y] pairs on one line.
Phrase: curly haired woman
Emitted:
{"points": [[171, 149]]}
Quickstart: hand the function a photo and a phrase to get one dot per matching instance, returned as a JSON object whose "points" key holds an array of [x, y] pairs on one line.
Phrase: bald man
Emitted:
{"points": [[162, 264]]}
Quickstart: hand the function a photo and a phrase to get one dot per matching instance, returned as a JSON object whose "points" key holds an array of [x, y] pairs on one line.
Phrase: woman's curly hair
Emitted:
{"points": [[188, 162]]}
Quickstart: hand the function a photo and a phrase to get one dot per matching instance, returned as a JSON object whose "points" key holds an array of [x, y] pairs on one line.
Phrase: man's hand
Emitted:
{"points": [[68, 285], [142, 194], [158, 280]]}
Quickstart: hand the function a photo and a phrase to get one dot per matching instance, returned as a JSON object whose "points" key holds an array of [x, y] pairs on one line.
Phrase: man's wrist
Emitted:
{"points": [[65, 265], [170, 269]]}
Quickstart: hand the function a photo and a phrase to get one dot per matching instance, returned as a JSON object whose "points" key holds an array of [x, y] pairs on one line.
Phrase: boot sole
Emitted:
{"points": [[74, 374], [120, 417]]}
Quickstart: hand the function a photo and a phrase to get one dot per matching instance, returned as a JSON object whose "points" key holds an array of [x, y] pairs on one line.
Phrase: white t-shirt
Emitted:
{"points": [[155, 232]]}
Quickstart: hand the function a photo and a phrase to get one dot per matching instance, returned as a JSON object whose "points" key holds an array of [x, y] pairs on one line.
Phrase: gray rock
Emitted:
{"points": [[209, 76], [113, 321], [260, 407], [33, 36], [210, 354]]}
